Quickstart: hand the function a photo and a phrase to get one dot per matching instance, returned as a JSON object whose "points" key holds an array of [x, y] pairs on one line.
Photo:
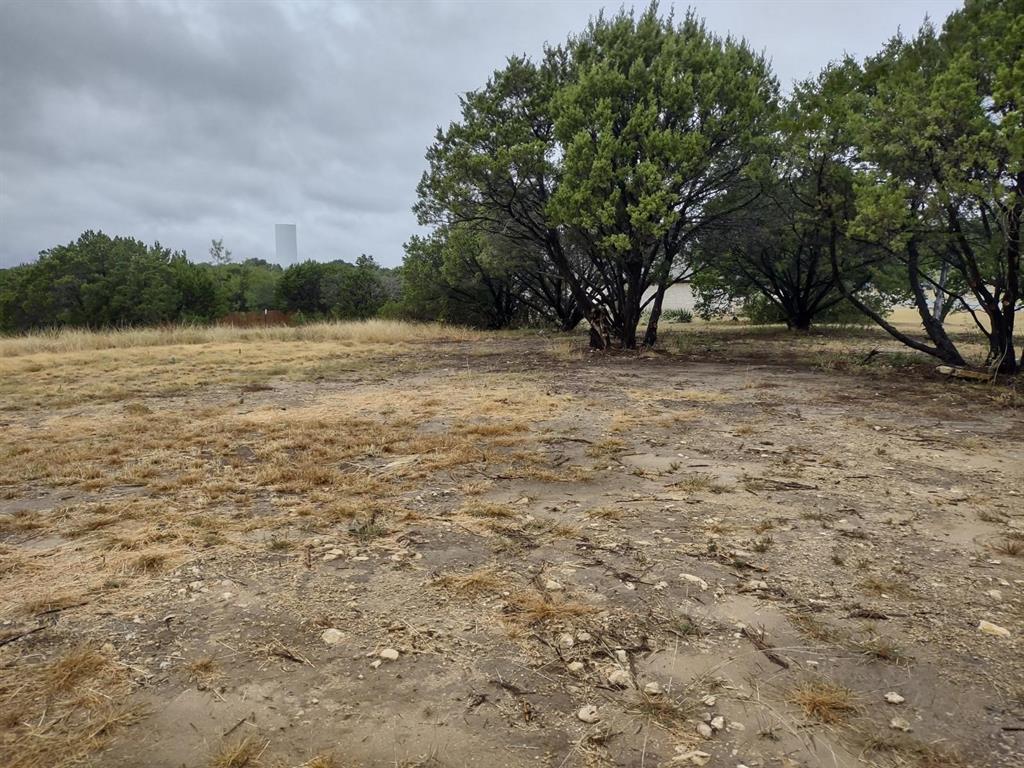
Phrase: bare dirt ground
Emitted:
{"points": [[505, 551]]}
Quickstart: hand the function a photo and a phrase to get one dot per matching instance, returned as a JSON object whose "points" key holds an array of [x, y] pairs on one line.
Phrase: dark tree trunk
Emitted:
{"points": [[571, 319], [651, 336], [800, 321]]}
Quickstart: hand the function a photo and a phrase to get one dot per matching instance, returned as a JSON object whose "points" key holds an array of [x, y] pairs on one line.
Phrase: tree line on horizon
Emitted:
{"points": [[99, 281], [644, 152]]}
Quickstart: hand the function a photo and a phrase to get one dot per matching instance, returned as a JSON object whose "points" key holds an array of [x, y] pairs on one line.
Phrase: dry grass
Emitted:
{"points": [[532, 608], [824, 701], [699, 482], [911, 752], [56, 713], [1010, 546], [355, 332], [670, 712], [488, 509], [239, 754], [488, 580]]}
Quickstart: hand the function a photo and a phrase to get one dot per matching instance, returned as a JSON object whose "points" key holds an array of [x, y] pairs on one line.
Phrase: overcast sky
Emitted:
{"points": [[184, 121]]}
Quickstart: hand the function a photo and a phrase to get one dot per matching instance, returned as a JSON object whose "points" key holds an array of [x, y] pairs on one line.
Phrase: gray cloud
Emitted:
{"points": [[180, 122]]}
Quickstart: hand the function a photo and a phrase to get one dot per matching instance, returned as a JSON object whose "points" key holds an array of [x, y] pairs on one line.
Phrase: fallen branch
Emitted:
{"points": [[19, 635], [757, 638]]}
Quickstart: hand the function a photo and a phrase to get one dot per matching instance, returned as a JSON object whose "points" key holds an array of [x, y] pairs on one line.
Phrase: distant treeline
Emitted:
{"points": [[100, 281]]}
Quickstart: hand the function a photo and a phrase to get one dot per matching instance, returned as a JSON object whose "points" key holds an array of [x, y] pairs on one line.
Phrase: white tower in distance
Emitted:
{"points": [[287, 244]]}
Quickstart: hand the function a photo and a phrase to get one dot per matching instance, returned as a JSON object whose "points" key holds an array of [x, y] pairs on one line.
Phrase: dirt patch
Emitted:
{"points": [[495, 553]]}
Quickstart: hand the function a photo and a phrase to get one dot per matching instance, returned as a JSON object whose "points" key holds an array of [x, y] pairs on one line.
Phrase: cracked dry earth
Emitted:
{"points": [[489, 554]]}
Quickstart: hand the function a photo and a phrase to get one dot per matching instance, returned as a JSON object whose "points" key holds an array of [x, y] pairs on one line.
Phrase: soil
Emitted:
{"points": [[733, 533]]}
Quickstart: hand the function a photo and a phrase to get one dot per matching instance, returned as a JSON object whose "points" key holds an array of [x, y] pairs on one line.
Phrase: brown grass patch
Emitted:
{"points": [[824, 701], [239, 754], [488, 509], [537, 608], [487, 580], [56, 713], [909, 751]]}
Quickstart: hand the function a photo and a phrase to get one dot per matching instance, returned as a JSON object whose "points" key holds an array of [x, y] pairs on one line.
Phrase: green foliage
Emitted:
{"points": [[456, 276], [604, 159], [940, 177], [336, 289], [99, 281], [677, 316]]}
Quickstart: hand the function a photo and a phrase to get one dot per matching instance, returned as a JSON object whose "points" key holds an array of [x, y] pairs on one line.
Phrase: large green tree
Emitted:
{"points": [[607, 157], [940, 153]]}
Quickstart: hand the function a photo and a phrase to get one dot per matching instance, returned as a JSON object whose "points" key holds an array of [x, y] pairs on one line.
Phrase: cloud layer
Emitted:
{"points": [[182, 122]]}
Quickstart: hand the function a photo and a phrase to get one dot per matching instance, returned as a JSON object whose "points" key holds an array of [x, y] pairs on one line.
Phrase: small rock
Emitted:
{"points": [[993, 629], [709, 701], [995, 595], [565, 640], [694, 580], [899, 724], [718, 723], [332, 636], [704, 731], [622, 656], [389, 654], [620, 678], [330, 556], [376, 663], [588, 714], [575, 667], [552, 586], [755, 585], [653, 689], [734, 726], [894, 698], [583, 637]]}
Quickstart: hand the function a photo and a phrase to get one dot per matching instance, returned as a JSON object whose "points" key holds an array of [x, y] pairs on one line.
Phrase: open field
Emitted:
{"points": [[379, 545]]}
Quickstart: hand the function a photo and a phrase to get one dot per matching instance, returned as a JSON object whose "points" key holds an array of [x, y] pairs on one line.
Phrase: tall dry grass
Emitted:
{"points": [[359, 332]]}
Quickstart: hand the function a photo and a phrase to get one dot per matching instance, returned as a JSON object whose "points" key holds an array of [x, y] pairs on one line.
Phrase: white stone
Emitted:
{"points": [[894, 698], [576, 667], [709, 701], [565, 640], [583, 637], [704, 730], [332, 636], [993, 629], [995, 595], [622, 656], [899, 724], [588, 714], [718, 723], [694, 580], [552, 586], [620, 678], [653, 689], [389, 654]]}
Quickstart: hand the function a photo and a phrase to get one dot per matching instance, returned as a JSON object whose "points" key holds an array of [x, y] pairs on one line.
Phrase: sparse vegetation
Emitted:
{"points": [[824, 701]]}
